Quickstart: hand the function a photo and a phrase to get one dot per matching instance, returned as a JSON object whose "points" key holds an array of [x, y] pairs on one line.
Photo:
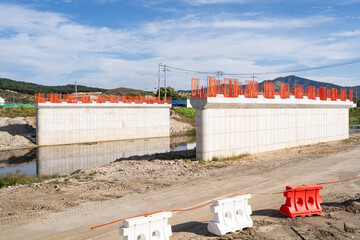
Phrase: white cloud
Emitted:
{"points": [[201, 2], [347, 33], [229, 22], [50, 48], [342, 81], [345, 2]]}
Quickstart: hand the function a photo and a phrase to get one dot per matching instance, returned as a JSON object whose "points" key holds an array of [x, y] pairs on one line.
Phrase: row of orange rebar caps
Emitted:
{"points": [[232, 88], [71, 98]]}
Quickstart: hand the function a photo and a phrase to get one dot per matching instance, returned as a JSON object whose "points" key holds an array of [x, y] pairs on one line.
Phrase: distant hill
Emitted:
{"points": [[16, 97], [23, 92], [127, 92], [32, 88], [292, 80]]}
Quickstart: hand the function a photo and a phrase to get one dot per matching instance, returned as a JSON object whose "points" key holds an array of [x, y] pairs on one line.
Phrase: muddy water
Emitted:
{"points": [[70, 158]]}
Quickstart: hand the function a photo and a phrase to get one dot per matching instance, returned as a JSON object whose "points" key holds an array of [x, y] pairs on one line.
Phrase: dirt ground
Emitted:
{"points": [[166, 181]]}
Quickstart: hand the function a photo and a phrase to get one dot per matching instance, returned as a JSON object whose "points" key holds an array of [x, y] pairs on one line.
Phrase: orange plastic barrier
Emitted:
{"points": [[85, 99], [211, 86], [302, 200], [70, 98], [310, 92], [238, 89], [322, 93], [39, 98], [284, 90], [334, 94], [328, 93], [230, 87], [299, 91], [343, 94], [195, 82], [269, 89], [351, 95], [252, 89], [54, 98]]}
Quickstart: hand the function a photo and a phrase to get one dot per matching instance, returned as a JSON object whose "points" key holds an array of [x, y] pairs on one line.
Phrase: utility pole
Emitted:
{"points": [[218, 74], [165, 69], [76, 92], [159, 80]]}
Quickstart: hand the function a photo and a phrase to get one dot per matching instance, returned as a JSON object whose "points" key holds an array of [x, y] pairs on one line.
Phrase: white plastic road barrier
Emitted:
{"points": [[230, 215], [152, 227]]}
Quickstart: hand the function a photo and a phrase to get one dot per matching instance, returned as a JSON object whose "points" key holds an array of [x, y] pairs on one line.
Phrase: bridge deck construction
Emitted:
{"points": [[265, 172]]}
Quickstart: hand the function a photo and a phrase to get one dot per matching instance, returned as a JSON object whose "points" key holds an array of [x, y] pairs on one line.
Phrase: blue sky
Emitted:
{"points": [[118, 43]]}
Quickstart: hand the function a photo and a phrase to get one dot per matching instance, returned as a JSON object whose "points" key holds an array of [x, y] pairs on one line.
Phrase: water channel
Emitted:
{"points": [[354, 128], [67, 159]]}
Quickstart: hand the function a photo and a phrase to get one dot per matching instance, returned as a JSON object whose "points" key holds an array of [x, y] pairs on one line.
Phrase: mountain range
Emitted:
{"points": [[292, 80], [9, 85]]}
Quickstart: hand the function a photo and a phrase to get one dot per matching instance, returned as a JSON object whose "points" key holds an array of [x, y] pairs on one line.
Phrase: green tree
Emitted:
{"points": [[170, 92]]}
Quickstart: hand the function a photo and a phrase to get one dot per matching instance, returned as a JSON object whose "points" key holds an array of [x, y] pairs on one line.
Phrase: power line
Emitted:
{"points": [[190, 71], [266, 73]]}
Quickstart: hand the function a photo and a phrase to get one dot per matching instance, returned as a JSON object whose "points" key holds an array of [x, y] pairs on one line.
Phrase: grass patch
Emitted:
{"points": [[12, 179], [220, 159], [187, 115], [191, 132], [76, 176], [187, 112], [231, 158], [354, 116], [17, 112]]}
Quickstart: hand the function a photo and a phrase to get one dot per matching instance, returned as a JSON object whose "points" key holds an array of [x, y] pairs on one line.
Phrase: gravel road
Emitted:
{"points": [[130, 187]]}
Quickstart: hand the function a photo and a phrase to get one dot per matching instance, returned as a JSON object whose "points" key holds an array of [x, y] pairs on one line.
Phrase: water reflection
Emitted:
{"points": [[69, 158], [354, 128], [19, 160]]}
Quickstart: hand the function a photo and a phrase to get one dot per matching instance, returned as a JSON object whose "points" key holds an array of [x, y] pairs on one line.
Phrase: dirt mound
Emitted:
{"points": [[16, 133]]}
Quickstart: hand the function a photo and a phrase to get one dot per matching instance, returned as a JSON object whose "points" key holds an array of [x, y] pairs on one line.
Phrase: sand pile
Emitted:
{"points": [[15, 133]]}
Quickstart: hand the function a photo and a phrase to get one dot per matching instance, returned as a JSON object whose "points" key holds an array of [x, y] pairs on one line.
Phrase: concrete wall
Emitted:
{"points": [[63, 123], [232, 126], [188, 104], [66, 159]]}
